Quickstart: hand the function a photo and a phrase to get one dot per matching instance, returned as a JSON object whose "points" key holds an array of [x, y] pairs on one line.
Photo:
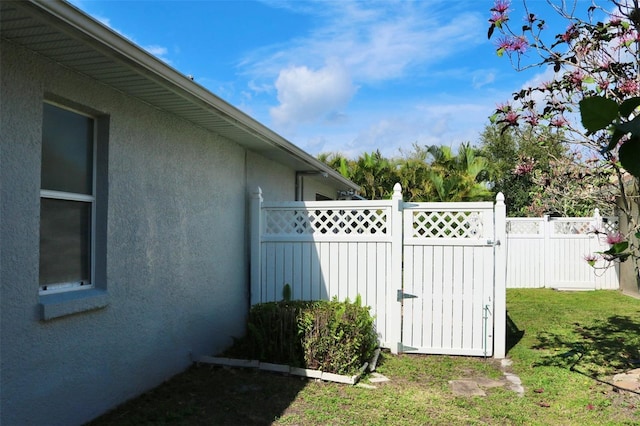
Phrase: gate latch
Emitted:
{"points": [[403, 295]]}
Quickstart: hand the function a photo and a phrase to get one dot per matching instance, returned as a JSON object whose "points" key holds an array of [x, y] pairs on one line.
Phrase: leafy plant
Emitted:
{"points": [[337, 336], [332, 336], [621, 122]]}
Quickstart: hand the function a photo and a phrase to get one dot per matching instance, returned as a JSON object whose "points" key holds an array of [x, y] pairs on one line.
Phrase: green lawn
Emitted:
{"points": [[564, 346]]}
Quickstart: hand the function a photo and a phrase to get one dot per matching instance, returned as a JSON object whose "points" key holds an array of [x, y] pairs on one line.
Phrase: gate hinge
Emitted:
{"points": [[403, 295]]}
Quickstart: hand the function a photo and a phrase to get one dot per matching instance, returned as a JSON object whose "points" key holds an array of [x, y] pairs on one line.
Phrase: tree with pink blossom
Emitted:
{"points": [[594, 95]]}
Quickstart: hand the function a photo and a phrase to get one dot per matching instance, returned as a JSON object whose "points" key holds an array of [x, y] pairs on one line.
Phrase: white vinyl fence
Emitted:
{"points": [[550, 252], [449, 297]]}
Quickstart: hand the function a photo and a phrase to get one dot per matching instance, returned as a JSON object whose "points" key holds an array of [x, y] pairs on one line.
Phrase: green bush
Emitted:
{"points": [[336, 337]]}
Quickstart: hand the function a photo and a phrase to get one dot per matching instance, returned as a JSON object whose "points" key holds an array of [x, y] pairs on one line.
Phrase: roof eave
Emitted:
{"points": [[111, 43]]}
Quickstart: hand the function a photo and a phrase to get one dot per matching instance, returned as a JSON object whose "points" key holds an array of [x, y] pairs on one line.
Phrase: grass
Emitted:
{"points": [[565, 347]]}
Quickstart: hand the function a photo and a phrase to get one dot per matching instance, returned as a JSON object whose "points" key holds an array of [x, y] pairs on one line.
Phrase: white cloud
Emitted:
{"points": [[377, 42], [441, 122], [158, 51], [305, 94], [482, 78]]}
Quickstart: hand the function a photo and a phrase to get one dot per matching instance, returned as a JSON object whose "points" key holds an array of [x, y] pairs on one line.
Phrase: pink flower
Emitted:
{"points": [[498, 18], [504, 43], [532, 119], [576, 78], [628, 38], [615, 20], [591, 259], [614, 238], [546, 85], [558, 121], [512, 44], [499, 13], [629, 87], [525, 167], [503, 108], [501, 6], [570, 34], [511, 117], [520, 44]]}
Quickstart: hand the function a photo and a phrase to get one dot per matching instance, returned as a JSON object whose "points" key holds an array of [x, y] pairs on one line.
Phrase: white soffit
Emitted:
{"points": [[71, 38]]}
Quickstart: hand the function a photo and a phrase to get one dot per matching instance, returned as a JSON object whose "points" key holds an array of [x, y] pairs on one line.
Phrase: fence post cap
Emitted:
{"points": [[397, 191]]}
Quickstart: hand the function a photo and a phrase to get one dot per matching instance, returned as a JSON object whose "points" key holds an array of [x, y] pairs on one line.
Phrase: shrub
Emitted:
{"points": [[337, 337], [332, 336]]}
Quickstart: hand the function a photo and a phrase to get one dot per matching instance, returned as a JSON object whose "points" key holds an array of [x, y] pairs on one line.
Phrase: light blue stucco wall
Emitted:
{"points": [[175, 255]]}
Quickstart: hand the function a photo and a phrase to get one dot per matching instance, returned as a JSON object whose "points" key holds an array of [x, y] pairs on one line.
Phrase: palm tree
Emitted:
{"points": [[460, 177], [375, 175]]}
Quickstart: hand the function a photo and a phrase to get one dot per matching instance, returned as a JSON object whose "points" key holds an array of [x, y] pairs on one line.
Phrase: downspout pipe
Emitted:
{"points": [[300, 181]]}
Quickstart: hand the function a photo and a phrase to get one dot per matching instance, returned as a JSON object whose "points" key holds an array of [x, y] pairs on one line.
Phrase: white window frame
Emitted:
{"points": [[71, 196]]}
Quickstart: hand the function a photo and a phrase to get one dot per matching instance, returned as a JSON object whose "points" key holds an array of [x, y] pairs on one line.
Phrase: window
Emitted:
{"points": [[67, 200]]}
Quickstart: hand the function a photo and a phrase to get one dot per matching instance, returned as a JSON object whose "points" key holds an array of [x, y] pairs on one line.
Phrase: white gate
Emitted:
{"points": [[448, 278], [350, 248]]}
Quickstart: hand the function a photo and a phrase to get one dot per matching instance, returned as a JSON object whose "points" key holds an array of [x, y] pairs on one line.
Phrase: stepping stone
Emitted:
{"points": [[466, 388], [628, 381], [632, 385], [489, 383], [515, 384], [378, 378], [365, 386]]}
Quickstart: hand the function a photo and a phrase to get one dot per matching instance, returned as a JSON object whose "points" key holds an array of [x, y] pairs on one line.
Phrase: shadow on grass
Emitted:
{"points": [[598, 348], [208, 395], [514, 334]]}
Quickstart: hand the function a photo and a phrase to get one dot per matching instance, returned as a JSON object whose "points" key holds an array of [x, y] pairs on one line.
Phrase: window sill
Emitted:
{"points": [[72, 302]]}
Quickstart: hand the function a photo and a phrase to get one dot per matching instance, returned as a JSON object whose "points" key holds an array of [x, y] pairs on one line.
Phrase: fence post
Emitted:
{"points": [[500, 279], [255, 238], [547, 228], [394, 325]]}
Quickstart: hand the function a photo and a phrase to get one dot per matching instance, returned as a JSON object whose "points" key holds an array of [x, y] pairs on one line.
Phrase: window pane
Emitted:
{"points": [[64, 241], [67, 151]]}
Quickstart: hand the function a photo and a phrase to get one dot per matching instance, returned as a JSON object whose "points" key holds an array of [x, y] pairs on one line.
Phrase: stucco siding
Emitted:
{"points": [[314, 185], [176, 270], [278, 183]]}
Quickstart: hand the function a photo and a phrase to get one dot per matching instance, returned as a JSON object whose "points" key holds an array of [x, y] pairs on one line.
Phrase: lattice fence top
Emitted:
{"points": [[326, 222], [563, 226], [447, 224], [524, 227], [573, 227], [610, 224]]}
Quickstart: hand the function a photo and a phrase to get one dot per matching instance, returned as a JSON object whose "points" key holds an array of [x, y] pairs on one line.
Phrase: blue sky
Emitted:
{"points": [[336, 76]]}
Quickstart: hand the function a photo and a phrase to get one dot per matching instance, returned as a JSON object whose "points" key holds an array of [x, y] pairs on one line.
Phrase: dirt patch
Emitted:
{"points": [[211, 395]]}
